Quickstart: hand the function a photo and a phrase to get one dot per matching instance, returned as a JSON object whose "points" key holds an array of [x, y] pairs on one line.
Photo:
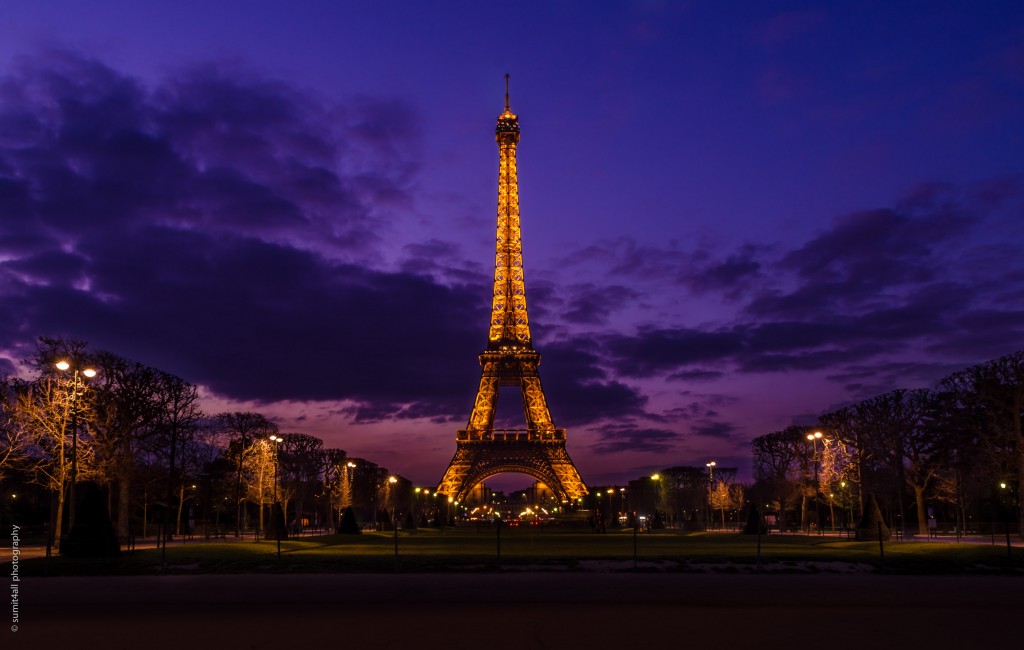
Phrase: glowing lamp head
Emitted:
{"points": [[89, 372], [62, 365], [392, 479], [655, 477]]}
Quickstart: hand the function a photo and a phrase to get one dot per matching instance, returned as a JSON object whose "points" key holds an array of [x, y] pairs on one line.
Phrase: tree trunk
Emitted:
{"points": [[57, 525], [123, 501], [124, 488], [181, 503], [922, 514], [902, 473]]}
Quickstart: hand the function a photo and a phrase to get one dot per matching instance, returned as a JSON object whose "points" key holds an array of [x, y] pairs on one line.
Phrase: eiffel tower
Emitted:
{"points": [[510, 360]]}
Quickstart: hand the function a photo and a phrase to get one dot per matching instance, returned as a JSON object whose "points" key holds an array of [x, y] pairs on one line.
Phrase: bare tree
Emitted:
{"points": [[996, 390], [242, 430], [128, 404], [780, 466], [177, 428], [43, 414], [259, 472], [336, 484], [302, 461], [12, 438]]}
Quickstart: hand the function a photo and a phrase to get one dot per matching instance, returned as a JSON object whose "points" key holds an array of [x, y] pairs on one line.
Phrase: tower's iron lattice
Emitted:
{"points": [[510, 360]]}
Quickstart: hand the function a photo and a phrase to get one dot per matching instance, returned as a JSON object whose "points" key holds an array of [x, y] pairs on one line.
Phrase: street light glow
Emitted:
{"points": [[89, 372], [392, 479], [655, 477], [63, 365]]}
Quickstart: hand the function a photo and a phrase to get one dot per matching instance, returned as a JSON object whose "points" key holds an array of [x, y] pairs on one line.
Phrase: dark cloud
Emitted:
{"points": [[592, 305], [217, 226], [731, 276], [703, 416], [722, 430], [617, 439], [875, 281], [663, 350], [579, 390], [697, 374]]}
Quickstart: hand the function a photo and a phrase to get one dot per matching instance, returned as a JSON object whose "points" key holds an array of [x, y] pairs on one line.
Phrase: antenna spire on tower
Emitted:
{"points": [[506, 93]]}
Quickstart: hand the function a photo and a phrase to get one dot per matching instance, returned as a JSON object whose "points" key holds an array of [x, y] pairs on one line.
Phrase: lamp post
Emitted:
{"points": [[622, 500], [87, 373], [392, 480], [814, 438], [277, 482], [416, 505], [657, 497], [711, 486], [610, 492]]}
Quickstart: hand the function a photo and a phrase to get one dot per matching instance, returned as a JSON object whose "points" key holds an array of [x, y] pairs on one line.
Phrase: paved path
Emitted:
{"points": [[520, 611]]}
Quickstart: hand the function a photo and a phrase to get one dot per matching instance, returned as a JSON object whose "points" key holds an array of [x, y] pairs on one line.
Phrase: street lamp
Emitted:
{"points": [[814, 438], [277, 483], [610, 520], [711, 484], [657, 494], [394, 509], [87, 373]]}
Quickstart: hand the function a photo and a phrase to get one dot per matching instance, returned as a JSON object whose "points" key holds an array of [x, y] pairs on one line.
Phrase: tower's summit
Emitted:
{"points": [[508, 122]]}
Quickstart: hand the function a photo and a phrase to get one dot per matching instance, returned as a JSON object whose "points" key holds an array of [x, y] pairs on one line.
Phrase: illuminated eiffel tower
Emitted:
{"points": [[510, 360]]}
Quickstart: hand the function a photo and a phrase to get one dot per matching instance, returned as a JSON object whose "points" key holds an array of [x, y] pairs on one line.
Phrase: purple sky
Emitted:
{"points": [[736, 216]]}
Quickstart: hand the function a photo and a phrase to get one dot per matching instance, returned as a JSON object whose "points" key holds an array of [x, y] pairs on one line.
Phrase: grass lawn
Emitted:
{"points": [[469, 549]]}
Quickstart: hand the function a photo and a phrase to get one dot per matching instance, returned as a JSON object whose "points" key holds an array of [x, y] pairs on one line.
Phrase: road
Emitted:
{"points": [[495, 611]]}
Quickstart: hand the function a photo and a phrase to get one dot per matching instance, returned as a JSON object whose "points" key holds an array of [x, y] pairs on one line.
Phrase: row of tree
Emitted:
{"points": [[140, 432], [958, 448]]}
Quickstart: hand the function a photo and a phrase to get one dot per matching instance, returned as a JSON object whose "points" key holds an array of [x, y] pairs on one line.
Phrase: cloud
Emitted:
{"points": [[592, 305], [618, 439], [225, 227], [579, 390], [919, 279]]}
